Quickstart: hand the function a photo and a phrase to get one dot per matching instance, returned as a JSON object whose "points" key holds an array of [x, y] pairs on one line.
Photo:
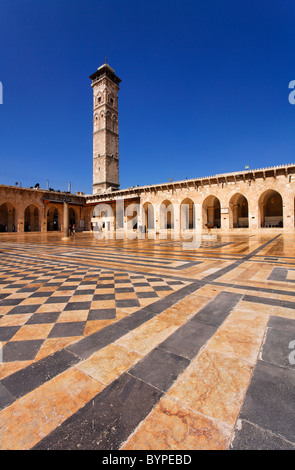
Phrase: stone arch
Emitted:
{"points": [[166, 215], [32, 218], [53, 219], [95, 121], [7, 217], [104, 215], [270, 206], [132, 214], [211, 212], [187, 214], [148, 216], [238, 211], [108, 120]]}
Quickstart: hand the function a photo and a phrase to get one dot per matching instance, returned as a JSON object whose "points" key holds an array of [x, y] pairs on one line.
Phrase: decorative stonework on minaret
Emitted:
{"points": [[105, 86]]}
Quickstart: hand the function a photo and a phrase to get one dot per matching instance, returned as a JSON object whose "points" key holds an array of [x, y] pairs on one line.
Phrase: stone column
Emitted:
{"points": [[224, 218], [158, 219], [253, 215], [19, 221], [141, 222], [288, 213], [198, 219], [175, 216], [66, 222]]}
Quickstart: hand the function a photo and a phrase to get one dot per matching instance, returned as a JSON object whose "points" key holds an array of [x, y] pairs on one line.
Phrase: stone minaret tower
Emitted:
{"points": [[105, 86]]}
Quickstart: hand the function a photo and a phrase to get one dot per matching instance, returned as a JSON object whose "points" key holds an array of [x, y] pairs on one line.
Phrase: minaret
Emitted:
{"points": [[105, 86]]}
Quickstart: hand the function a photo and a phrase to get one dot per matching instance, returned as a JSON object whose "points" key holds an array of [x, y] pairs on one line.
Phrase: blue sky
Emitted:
{"points": [[204, 87]]}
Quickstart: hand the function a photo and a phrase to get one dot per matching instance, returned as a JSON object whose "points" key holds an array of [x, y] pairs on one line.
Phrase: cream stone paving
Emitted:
{"points": [[168, 353]]}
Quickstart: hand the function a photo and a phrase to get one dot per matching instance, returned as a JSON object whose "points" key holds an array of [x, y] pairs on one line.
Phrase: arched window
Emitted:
{"points": [[32, 219], [211, 212], [271, 209], [187, 215], [52, 219], [166, 216], [238, 211], [148, 217], [7, 218]]}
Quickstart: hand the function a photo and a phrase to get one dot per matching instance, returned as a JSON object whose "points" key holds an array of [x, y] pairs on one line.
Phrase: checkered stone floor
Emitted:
{"points": [[145, 345], [42, 301]]}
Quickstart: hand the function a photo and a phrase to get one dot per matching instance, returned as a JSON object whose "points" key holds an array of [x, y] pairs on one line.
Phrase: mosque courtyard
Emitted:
{"points": [[147, 344]]}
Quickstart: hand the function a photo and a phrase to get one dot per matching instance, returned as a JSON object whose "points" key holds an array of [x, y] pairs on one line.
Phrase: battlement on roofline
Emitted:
{"points": [[266, 172], [249, 200], [247, 174]]}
